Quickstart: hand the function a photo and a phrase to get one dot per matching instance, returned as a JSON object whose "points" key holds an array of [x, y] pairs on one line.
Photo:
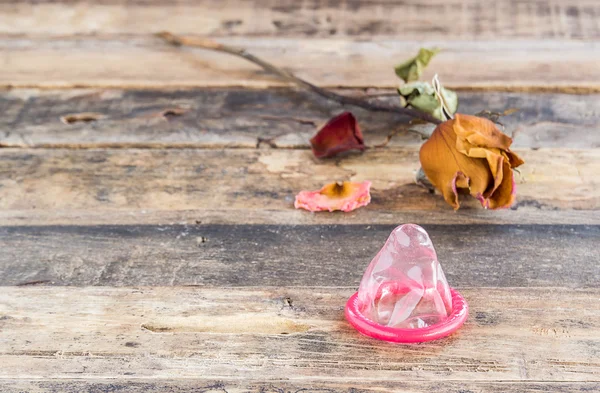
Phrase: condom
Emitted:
{"points": [[404, 296]]}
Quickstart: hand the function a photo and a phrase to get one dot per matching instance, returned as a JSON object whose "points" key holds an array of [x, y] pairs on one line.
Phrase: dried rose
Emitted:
{"points": [[339, 134], [345, 196], [470, 154]]}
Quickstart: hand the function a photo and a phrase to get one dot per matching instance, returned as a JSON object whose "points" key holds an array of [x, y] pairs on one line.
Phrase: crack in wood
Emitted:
{"points": [[85, 117], [228, 324]]}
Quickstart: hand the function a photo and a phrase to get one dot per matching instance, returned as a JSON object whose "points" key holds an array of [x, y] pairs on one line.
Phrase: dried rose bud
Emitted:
{"points": [[469, 154], [340, 134], [345, 196]]}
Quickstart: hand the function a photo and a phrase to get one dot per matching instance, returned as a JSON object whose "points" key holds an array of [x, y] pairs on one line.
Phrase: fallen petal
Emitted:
{"points": [[345, 196], [340, 134]]}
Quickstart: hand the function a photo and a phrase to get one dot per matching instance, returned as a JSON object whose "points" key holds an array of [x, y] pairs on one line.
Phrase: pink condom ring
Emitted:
{"points": [[460, 312]]}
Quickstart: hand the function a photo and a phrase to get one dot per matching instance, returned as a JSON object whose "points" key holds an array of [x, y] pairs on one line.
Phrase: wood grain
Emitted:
{"points": [[411, 20], [289, 255], [145, 61], [293, 335], [185, 179], [284, 118], [139, 385]]}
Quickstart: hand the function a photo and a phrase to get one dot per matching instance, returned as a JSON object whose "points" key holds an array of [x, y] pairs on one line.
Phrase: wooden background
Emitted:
{"points": [[151, 245]]}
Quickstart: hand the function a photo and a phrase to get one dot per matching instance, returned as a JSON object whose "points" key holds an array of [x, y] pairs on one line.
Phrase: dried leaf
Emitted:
{"points": [[345, 196], [421, 95], [412, 69], [340, 134]]}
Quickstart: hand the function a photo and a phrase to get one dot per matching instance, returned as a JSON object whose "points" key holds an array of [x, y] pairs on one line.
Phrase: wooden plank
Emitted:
{"points": [[261, 255], [145, 61], [296, 335], [285, 118], [185, 179], [235, 386], [411, 20]]}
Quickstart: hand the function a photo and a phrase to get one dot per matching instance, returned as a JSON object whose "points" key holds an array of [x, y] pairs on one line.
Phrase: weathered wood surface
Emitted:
{"points": [[141, 385], [291, 335], [184, 179], [194, 186], [146, 61], [415, 20], [289, 255], [285, 118]]}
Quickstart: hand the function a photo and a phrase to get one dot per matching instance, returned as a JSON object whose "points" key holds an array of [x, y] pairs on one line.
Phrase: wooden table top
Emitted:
{"points": [[147, 231]]}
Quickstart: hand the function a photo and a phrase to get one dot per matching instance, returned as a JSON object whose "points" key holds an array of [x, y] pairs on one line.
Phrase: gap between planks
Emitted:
{"points": [[526, 215], [574, 89], [207, 385]]}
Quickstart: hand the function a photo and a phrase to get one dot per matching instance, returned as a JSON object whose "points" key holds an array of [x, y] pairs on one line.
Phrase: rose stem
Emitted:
{"points": [[288, 76]]}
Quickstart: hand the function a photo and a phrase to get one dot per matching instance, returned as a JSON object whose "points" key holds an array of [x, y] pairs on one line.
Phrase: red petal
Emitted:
{"points": [[345, 196], [339, 134]]}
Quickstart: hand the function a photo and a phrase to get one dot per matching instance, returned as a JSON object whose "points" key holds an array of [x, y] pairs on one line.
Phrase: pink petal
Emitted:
{"points": [[345, 196]]}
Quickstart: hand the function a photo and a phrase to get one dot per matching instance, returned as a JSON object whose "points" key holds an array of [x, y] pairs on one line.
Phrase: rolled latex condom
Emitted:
{"points": [[404, 296]]}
